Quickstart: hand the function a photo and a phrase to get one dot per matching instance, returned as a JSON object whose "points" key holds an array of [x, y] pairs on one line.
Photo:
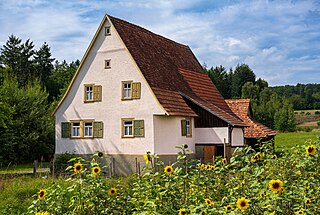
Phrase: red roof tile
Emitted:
{"points": [[242, 108], [172, 70]]}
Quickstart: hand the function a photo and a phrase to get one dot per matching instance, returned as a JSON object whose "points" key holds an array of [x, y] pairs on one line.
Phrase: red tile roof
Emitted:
{"points": [[242, 108], [173, 72]]}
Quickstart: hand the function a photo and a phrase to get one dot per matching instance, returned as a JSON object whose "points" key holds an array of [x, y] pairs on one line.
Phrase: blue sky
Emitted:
{"points": [[279, 40]]}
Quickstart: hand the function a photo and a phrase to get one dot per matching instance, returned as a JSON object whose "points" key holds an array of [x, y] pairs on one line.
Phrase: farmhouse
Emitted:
{"points": [[136, 91], [255, 130]]}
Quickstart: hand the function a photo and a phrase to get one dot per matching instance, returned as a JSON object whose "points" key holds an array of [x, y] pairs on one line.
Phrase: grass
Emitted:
{"points": [[16, 194], [285, 141], [306, 111], [12, 169]]}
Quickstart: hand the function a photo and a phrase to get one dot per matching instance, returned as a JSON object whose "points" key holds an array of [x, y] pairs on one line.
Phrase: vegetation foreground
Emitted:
{"points": [[251, 183]]}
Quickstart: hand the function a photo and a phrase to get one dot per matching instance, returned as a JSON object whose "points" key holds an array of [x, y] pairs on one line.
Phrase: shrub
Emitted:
{"points": [[317, 112], [318, 123], [250, 183], [308, 113], [62, 162]]}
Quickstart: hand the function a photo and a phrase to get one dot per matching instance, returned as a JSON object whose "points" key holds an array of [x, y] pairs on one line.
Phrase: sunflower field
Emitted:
{"points": [[252, 182]]}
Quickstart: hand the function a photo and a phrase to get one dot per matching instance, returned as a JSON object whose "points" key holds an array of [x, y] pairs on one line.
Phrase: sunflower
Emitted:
{"points": [[275, 185], [299, 211], [168, 170], [202, 166], [272, 213], [41, 194], [228, 208], [96, 170], [112, 191], [42, 213], [212, 168], [262, 194], [224, 161], [146, 158], [208, 167], [274, 157], [243, 203], [311, 150], [308, 201], [208, 202], [100, 154], [182, 211], [78, 167]]}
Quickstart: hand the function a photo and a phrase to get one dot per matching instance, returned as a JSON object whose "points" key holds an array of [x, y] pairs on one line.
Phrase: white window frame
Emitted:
{"points": [[88, 129], [127, 128], [89, 93], [188, 127], [127, 90], [75, 129]]}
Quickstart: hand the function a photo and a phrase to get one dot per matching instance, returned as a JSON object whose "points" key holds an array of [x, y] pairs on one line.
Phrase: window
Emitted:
{"points": [[107, 31], [132, 128], [89, 93], [88, 129], [127, 90], [131, 90], [107, 64], [92, 93], [186, 128], [75, 129], [82, 129], [127, 128]]}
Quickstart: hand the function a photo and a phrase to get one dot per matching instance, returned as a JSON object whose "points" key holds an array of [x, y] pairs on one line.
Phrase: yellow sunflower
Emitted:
{"points": [[168, 170], [212, 168], [78, 167], [208, 202], [243, 203], [228, 208], [224, 161], [308, 201], [262, 194], [182, 211], [311, 150], [202, 166], [146, 158], [208, 167], [112, 191], [299, 211], [41, 194], [275, 185], [42, 213], [274, 157], [96, 170]]}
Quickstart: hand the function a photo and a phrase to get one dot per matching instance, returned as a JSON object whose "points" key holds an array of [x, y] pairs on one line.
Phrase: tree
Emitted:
{"points": [[250, 91], [43, 63], [284, 118], [221, 79], [242, 74]]}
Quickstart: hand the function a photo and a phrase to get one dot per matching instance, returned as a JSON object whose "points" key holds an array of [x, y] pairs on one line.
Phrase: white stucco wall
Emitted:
{"points": [[112, 108], [167, 135], [211, 135], [237, 137]]}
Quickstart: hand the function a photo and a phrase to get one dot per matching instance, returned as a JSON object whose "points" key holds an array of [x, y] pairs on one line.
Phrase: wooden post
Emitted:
{"points": [[139, 169], [53, 165], [114, 166], [224, 147], [34, 166], [137, 165]]}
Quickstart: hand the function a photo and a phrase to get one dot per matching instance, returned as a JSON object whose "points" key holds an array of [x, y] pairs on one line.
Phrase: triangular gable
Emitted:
{"points": [[242, 108]]}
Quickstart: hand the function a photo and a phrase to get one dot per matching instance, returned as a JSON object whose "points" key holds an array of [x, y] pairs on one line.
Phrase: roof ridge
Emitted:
{"points": [[131, 25]]}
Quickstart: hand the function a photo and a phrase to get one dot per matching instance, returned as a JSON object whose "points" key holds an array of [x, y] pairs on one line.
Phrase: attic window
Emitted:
{"points": [[107, 31], [107, 64]]}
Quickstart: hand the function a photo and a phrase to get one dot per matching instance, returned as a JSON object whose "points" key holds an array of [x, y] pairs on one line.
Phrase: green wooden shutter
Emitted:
{"points": [[97, 129], [65, 129], [97, 93], [136, 90], [138, 126], [183, 128]]}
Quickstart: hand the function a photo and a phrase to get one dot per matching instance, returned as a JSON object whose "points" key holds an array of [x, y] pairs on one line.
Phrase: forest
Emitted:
{"points": [[32, 82]]}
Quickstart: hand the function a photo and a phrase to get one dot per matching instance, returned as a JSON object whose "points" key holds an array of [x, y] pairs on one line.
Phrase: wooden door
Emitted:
{"points": [[209, 152]]}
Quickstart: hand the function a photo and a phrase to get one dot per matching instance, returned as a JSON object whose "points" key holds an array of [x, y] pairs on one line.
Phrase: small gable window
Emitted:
{"points": [[92, 93], [107, 31], [107, 64], [186, 128], [131, 90]]}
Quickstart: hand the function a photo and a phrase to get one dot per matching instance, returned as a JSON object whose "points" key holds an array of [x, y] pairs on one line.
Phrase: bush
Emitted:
{"points": [[317, 112], [62, 162], [251, 183], [318, 123], [308, 113], [303, 129]]}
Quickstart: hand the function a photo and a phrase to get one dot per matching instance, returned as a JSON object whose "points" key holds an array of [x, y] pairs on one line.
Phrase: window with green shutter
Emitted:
{"points": [[184, 127], [97, 93], [136, 90], [138, 128], [65, 129], [92, 93], [97, 129]]}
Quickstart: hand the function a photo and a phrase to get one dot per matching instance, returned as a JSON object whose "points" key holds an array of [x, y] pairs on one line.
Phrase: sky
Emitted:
{"points": [[278, 39]]}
